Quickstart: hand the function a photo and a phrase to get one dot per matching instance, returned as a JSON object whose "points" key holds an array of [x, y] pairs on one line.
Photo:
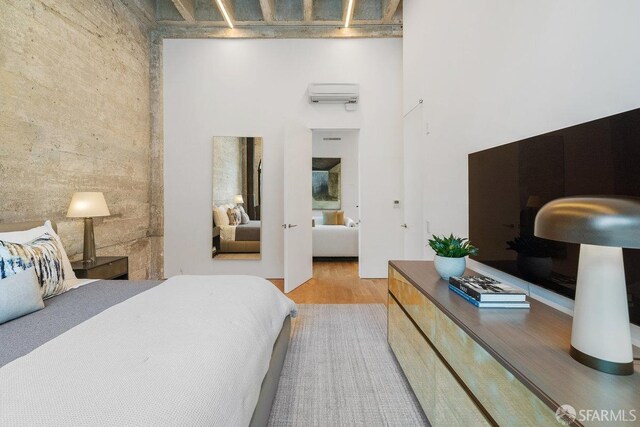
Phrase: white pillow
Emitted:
{"points": [[349, 222], [220, 216], [33, 233], [19, 295]]}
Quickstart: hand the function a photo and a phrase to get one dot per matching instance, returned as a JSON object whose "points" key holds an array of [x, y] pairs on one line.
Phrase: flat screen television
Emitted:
{"points": [[510, 183]]}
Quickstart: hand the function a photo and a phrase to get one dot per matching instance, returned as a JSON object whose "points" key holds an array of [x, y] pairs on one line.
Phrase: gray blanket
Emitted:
{"points": [[248, 232], [23, 335]]}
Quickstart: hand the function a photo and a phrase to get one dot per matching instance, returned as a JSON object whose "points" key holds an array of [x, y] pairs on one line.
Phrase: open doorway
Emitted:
{"points": [[335, 194]]}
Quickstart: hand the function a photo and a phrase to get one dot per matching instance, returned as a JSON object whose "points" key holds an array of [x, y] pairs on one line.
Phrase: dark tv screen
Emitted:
{"points": [[510, 183]]}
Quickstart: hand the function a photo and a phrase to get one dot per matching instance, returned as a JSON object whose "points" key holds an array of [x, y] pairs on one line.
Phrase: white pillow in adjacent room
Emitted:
{"points": [[19, 295], [220, 216]]}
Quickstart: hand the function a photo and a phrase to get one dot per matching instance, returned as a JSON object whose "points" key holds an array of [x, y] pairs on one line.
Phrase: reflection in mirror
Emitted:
{"points": [[237, 197]]}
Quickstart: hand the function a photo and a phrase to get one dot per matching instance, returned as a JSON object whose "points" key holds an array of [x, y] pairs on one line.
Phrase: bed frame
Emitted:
{"points": [[269, 386], [270, 383], [20, 226]]}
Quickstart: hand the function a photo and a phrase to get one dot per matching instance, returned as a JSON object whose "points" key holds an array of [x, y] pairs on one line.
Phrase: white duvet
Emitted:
{"points": [[192, 351]]}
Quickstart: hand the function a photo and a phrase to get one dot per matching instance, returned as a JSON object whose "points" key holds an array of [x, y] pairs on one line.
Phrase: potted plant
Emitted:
{"points": [[450, 254]]}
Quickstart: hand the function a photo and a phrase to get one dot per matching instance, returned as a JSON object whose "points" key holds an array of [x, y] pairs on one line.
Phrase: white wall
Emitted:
{"points": [[253, 88], [347, 150], [493, 72]]}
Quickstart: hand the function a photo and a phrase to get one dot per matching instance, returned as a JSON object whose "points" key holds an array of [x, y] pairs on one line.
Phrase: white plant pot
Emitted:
{"points": [[447, 267]]}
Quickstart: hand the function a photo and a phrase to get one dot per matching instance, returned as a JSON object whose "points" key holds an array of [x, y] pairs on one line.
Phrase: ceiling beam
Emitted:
{"points": [[281, 32], [187, 9], [308, 10], [362, 23], [347, 14], [390, 8], [268, 10]]}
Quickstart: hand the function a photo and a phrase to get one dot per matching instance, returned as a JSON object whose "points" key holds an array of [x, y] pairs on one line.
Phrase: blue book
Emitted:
{"points": [[522, 304]]}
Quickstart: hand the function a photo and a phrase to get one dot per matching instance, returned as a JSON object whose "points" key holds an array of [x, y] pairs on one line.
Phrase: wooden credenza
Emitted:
{"points": [[475, 367]]}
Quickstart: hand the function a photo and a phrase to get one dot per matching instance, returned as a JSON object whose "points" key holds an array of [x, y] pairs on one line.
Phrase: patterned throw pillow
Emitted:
{"points": [[42, 254], [234, 216]]}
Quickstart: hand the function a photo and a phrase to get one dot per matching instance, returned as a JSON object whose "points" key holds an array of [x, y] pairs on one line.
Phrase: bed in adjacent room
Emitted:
{"points": [[335, 240], [191, 350]]}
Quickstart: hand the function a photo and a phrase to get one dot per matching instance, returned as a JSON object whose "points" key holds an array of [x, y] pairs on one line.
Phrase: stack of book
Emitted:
{"points": [[485, 292]]}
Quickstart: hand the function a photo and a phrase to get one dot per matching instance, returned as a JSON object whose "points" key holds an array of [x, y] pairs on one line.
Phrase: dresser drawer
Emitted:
{"points": [[504, 397], [443, 399], [417, 305], [108, 271], [454, 407], [415, 356]]}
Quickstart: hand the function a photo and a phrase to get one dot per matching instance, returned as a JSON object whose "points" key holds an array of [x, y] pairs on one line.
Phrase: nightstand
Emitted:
{"points": [[105, 268]]}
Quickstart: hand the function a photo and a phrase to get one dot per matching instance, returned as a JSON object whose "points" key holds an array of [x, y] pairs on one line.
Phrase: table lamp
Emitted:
{"points": [[600, 335], [237, 199], [88, 205]]}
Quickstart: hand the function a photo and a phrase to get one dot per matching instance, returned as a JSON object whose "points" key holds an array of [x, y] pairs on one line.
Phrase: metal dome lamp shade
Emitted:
{"points": [[601, 334]]}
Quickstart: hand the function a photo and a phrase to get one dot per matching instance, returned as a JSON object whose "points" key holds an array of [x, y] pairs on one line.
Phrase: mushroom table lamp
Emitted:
{"points": [[88, 205], [601, 334]]}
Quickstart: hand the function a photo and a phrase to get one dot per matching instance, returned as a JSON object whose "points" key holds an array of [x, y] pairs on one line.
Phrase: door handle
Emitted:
{"points": [[403, 225], [293, 225]]}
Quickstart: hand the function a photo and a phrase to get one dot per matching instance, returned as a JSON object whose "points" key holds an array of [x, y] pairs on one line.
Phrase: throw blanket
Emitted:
{"points": [[191, 351]]}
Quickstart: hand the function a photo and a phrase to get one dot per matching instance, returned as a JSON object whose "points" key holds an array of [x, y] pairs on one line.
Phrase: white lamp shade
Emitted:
{"points": [[87, 205], [238, 199]]}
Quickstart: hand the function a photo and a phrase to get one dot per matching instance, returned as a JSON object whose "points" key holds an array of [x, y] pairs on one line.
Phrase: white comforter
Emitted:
{"points": [[191, 351], [335, 241]]}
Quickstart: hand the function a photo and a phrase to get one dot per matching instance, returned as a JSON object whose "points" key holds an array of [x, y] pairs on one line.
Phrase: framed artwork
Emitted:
{"points": [[326, 183]]}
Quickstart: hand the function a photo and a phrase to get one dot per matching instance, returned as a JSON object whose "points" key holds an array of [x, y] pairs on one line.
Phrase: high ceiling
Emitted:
{"points": [[364, 17]]}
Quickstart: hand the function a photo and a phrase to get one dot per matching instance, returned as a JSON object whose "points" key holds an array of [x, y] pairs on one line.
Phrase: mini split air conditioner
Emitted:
{"points": [[334, 93]]}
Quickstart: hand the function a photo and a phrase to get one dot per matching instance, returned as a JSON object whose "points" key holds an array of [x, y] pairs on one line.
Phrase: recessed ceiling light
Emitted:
{"points": [[347, 20], [224, 13]]}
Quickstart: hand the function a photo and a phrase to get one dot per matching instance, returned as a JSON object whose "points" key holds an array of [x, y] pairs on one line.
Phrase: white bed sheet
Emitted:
{"points": [[192, 351]]}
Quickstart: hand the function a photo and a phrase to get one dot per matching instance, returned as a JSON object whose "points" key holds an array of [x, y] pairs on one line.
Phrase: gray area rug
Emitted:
{"points": [[339, 371]]}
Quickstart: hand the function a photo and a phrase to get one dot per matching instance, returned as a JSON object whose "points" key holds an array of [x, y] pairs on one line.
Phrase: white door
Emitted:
{"points": [[413, 226], [298, 257]]}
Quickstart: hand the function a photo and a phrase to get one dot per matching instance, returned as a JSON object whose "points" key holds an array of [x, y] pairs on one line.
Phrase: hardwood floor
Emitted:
{"points": [[337, 282]]}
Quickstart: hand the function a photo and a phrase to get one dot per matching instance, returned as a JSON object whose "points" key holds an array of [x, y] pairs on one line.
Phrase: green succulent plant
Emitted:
{"points": [[452, 246]]}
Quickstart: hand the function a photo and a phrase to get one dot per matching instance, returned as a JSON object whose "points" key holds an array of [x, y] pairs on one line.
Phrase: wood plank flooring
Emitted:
{"points": [[337, 282]]}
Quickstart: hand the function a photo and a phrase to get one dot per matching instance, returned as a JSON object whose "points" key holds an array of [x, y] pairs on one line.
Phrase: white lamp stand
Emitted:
{"points": [[601, 336]]}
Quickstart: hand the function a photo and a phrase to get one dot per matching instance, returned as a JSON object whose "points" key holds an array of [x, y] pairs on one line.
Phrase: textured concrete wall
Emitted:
{"points": [[227, 168], [74, 116]]}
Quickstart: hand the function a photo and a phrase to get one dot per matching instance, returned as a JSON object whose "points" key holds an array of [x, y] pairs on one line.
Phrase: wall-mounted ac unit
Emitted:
{"points": [[334, 93]]}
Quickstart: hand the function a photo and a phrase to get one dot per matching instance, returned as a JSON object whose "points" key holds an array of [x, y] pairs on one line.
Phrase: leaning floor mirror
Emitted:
{"points": [[237, 197]]}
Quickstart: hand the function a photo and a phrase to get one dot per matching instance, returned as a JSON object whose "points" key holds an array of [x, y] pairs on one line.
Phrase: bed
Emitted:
{"points": [[330, 241], [191, 350], [241, 238], [238, 238]]}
